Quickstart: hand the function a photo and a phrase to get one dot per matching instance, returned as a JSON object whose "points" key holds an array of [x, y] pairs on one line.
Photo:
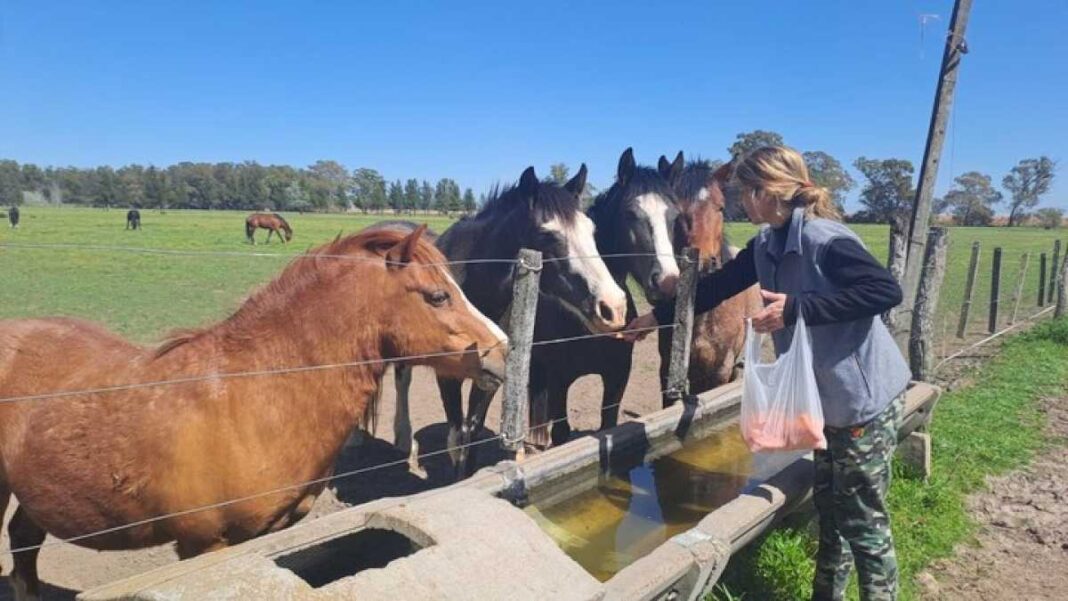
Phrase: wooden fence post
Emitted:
{"points": [[1041, 279], [1018, 291], [1061, 294], [1054, 269], [516, 405], [921, 336], [678, 383], [969, 290], [895, 262], [995, 291]]}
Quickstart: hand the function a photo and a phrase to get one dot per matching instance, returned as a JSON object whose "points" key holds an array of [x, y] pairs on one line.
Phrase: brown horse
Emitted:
{"points": [[718, 335], [87, 462], [273, 222]]}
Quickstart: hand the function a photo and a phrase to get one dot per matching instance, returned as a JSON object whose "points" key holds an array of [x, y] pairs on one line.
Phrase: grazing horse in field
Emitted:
{"points": [[221, 429], [273, 222], [133, 219], [532, 214], [718, 335], [633, 221], [13, 216]]}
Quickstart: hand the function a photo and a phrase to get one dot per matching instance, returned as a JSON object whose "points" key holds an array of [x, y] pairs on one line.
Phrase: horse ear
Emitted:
{"points": [[676, 168], [577, 183], [723, 174], [626, 166], [528, 184], [402, 252], [663, 166]]}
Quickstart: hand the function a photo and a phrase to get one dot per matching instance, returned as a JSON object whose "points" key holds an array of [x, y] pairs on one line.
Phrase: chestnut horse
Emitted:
{"points": [[718, 335], [268, 221], [100, 460]]}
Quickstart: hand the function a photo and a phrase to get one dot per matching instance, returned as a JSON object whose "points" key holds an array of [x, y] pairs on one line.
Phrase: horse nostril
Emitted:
{"points": [[605, 312]]}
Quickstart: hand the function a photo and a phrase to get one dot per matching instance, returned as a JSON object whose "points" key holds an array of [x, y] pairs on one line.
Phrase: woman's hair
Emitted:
{"points": [[780, 173]]}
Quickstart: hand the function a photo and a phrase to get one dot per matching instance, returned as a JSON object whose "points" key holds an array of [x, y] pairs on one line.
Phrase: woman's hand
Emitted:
{"points": [[639, 328], [770, 318]]}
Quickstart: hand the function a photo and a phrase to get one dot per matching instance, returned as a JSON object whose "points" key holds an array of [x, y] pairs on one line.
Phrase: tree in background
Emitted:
{"points": [[331, 181], [411, 195], [1026, 183], [889, 189], [426, 196], [447, 196], [10, 183], [558, 173], [469, 204], [747, 142], [1050, 217], [369, 189], [824, 170], [972, 199], [396, 196]]}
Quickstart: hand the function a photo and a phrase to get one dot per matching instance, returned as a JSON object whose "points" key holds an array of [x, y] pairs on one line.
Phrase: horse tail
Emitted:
{"points": [[369, 420]]}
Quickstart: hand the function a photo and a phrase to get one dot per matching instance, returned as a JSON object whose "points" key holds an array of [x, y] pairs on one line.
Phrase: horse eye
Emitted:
{"points": [[438, 298]]}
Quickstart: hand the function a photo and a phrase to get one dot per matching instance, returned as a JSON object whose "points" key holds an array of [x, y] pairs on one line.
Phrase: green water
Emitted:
{"points": [[626, 516]]}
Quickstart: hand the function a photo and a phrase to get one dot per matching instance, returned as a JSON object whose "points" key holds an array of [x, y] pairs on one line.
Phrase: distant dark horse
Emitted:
{"points": [[575, 281], [634, 219], [268, 221], [718, 335], [133, 219], [13, 216]]}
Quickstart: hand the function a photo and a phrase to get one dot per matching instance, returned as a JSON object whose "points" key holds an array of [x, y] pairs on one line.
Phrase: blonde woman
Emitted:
{"points": [[807, 263]]}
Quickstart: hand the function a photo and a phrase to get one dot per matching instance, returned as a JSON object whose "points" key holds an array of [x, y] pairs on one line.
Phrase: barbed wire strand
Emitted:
{"points": [[281, 489], [293, 370], [993, 336]]}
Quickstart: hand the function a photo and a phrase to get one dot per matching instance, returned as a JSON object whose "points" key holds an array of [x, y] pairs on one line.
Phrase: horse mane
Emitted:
{"points": [[642, 180], [553, 201], [282, 219], [305, 271], [694, 178]]}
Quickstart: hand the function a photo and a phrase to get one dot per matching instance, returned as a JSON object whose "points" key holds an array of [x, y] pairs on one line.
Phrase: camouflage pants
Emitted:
{"points": [[851, 480]]}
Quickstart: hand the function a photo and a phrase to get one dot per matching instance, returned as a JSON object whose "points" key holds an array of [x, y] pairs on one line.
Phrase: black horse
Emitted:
{"points": [[133, 219], [634, 219], [13, 216], [532, 214]]}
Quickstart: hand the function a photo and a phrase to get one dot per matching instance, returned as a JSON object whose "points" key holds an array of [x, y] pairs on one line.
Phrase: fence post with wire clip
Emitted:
{"points": [[678, 382], [516, 405]]}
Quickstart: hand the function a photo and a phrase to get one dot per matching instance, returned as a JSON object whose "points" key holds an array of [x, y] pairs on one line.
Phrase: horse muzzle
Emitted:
{"points": [[491, 369]]}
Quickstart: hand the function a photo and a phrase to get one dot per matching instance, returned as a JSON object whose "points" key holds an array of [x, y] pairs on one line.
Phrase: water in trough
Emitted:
{"points": [[638, 507]]}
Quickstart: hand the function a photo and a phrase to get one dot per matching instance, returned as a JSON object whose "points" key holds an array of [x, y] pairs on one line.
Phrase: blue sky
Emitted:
{"points": [[479, 90]]}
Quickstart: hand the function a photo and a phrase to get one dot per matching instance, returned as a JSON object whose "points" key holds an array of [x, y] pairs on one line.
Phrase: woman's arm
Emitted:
{"points": [[866, 288], [712, 289]]}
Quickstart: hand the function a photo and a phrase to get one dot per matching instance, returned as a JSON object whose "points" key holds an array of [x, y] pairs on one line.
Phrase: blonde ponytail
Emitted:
{"points": [[780, 174]]}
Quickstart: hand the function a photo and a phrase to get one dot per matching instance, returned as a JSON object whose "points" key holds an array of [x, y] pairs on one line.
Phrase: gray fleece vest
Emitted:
{"points": [[859, 368]]}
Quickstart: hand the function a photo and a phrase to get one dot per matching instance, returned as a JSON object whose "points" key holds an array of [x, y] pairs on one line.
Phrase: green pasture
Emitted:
{"points": [[146, 295]]}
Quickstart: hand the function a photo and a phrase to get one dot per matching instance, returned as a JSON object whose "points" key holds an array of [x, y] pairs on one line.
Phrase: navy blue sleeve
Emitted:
{"points": [[866, 288], [712, 289]]}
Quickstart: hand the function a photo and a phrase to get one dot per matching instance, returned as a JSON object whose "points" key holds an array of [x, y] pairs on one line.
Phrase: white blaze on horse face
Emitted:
{"points": [[703, 195], [585, 260], [494, 329], [655, 209]]}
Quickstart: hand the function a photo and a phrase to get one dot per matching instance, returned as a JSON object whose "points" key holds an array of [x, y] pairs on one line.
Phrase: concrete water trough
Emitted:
{"points": [[489, 538]]}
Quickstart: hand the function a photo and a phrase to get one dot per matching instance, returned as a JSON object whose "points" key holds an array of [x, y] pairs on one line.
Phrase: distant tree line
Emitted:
{"points": [[324, 186], [888, 189]]}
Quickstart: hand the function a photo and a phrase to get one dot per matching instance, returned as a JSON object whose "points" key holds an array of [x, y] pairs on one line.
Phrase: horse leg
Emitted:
{"points": [[477, 407], [557, 402], [24, 533], [615, 384], [452, 401], [538, 413], [402, 420], [269, 232]]}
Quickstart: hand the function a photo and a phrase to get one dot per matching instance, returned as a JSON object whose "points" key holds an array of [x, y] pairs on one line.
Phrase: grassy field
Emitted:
{"points": [[145, 295]]}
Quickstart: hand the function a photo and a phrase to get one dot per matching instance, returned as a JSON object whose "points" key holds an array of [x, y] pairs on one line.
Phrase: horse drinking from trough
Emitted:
{"points": [[273, 222], [133, 219], [718, 335], [633, 221], [543, 216], [221, 429]]}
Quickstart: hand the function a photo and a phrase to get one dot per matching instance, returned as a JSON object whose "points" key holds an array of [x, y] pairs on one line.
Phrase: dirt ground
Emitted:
{"points": [[68, 569], [1021, 551]]}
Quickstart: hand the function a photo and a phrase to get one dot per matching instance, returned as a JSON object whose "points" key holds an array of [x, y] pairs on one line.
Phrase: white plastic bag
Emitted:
{"points": [[781, 408]]}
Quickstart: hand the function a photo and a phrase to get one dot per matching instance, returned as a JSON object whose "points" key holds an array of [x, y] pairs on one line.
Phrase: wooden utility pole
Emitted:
{"points": [[932, 154], [921, 336]]}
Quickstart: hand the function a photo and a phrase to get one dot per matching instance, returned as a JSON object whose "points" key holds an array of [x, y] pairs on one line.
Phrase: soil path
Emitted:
{"points": [[1021, 551], [68, 569]]}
